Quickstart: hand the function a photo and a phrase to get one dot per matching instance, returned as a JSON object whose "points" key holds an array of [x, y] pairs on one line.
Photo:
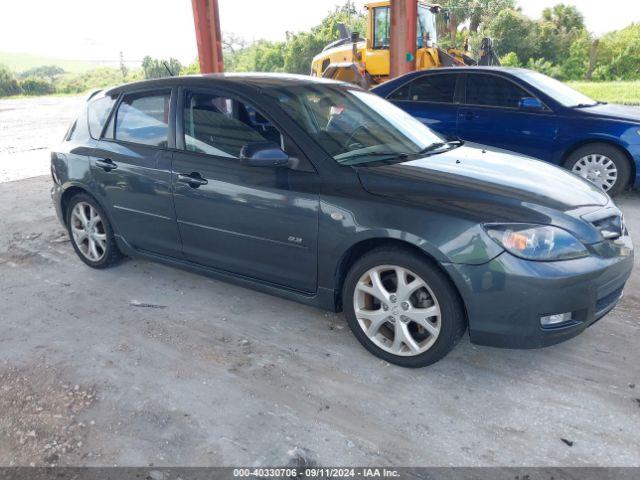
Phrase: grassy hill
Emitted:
{"points": [[19, 62]]}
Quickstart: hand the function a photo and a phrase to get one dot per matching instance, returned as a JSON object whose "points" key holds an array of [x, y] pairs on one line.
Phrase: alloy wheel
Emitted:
{"points": [[397, 310], [88, 231], [598, 169]]}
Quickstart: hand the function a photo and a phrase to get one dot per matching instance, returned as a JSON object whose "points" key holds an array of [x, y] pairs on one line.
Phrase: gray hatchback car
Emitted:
{"points": [[323, 193]]}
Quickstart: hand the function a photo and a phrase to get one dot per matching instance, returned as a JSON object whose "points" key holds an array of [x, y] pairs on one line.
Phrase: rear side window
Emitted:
{"points": [[429, 88], [493, 91], [434, 88], [97, 113], [143, 118]]}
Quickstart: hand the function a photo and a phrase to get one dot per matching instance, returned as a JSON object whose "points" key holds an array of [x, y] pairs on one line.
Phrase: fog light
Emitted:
{"points": [[551, 320]]}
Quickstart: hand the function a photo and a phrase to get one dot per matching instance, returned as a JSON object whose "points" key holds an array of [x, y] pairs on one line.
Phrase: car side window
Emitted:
{"points": [[429, 88], [493, 91], [143, 118], [221, 126], [97, 113]]}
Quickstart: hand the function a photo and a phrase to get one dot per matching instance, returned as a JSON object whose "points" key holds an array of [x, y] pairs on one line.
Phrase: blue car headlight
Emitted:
{"points": [[536, 242]]}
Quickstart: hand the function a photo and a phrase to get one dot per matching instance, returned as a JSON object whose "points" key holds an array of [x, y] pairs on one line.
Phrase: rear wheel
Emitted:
{"points": [[91, 233], [602, 164], [402, 308]]}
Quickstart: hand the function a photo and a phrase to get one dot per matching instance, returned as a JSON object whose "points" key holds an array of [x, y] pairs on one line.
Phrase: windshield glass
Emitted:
{"points": [[354, 126], [560, 92]]}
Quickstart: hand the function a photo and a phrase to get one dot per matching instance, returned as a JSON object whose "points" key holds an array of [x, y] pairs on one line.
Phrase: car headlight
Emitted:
{"points": [[537, 242]]}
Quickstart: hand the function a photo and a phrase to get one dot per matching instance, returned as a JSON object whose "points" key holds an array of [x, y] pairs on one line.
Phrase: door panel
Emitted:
{"points": [[254, 221], [261, 222], [431, 99], [139, 195], [491, 116], [132, 167]]}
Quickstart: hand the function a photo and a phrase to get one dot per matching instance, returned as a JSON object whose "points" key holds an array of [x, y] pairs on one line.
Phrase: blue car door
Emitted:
{"points": [[491, 115], [431, 98]]}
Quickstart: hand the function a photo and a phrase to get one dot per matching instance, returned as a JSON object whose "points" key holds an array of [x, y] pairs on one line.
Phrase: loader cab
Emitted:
{"points": [[379, 25]]}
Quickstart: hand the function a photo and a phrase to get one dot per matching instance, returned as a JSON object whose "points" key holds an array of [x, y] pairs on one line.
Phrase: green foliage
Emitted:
{"points": [[513, 32], [295, 54], [36, 86], [191, 69], [619, 55], [46, 71], [510, 60], [8, 83], [158, 68], [93, 79]]}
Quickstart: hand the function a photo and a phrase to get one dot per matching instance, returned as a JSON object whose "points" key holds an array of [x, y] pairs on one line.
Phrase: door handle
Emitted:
{"points": [[194, 179], [107, 164]]}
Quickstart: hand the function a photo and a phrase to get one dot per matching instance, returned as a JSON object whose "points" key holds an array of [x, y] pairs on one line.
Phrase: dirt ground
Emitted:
{"points": [[143, 364]]}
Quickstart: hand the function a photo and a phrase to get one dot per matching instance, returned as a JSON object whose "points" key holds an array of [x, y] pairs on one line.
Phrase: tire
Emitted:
{"points": [[437, 295], [595, 157], [99, 231]]}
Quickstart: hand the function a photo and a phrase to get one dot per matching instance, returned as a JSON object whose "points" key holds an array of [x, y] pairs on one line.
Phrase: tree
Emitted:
{"points": [[513, 32], [619, 55], [474, 11], [156, 68], [566, 18], [8, 83]]}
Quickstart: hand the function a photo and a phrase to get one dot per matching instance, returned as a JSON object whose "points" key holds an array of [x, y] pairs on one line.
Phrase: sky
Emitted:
{"points": [[96, 30]]}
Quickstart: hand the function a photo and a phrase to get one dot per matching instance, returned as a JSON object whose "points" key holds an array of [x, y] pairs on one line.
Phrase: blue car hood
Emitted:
{"points": [[618, 112], [485, 175]]}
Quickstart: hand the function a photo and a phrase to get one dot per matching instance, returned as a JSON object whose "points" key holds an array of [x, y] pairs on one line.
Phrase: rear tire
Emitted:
{"points": [[413, 319], [602, 164], [91, 233]]}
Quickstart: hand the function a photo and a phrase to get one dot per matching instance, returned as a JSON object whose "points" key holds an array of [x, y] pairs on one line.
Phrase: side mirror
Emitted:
{"points": [[530, 103], [263, 154]]}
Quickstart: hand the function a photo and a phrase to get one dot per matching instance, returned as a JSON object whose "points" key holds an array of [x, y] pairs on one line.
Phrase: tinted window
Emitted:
{"points": [[402, 93], [494, 91], [434, 88], [382, 25], [222, 126], [97, 112], [143, 118]]}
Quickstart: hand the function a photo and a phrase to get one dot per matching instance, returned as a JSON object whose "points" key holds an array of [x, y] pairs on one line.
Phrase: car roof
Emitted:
{"points": [[253, 80]]}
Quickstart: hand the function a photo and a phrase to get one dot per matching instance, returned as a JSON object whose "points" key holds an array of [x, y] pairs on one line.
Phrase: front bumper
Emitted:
{"points": [[506, 297]]}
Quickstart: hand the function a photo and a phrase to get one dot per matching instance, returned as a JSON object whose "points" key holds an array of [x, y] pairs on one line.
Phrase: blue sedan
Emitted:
{"points": [[526, 112]]}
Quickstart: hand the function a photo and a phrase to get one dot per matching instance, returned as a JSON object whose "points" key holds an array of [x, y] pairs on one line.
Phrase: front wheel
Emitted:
{"points": [[402, 308], [601, 164]]}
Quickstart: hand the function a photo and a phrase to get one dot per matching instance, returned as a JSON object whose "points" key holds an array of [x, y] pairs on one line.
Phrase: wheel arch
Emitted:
{"points": [[607, 141], [75, 189], [358, 249]]}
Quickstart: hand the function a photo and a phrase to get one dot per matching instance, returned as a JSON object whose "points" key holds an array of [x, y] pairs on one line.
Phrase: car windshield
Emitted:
{"points": [[354, 126], [560, 92]]}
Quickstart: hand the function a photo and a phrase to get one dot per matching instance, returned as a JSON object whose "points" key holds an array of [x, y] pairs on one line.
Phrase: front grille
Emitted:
{"points": [[608, 300]]}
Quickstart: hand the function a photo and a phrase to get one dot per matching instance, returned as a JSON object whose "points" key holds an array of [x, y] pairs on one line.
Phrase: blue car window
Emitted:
{"points": [[493, 91]]}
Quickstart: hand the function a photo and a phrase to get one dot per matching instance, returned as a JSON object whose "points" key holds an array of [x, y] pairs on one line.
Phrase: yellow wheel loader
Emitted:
{"points": [[366, 62]]}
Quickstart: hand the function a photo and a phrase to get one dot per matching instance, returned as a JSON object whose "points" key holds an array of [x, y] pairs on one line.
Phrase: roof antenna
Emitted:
{"points": [[171, 74]]}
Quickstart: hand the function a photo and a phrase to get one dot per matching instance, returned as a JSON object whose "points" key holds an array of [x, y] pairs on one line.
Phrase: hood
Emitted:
{"points": [[480, 176], [617, 112]]}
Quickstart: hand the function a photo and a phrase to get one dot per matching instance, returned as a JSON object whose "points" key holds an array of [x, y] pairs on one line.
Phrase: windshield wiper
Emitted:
{"points": [[392, 155], [438, 145], [586, 105]]}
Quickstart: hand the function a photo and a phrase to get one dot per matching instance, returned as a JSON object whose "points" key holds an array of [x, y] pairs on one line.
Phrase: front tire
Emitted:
{"points": [[602, 164], [91, 233], [402, 308]]}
